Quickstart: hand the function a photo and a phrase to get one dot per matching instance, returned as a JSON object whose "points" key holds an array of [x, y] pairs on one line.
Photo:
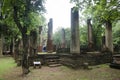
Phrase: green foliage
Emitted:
{"points": [[83, 35], [104, 10], [98, 32], [57, 37], [81, 4], [107, 10], [28, 15], [35, 21], [28, 12], [116, 34], [67, 36]]}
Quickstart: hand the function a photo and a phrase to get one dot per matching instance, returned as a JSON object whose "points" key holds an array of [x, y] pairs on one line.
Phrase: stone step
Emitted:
{"points": [[52, 57], [54, 65], [52, 60]]}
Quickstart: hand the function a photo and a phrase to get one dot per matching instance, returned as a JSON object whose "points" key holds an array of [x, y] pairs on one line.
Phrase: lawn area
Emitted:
{"points": [[6, 64], [99, 72]]}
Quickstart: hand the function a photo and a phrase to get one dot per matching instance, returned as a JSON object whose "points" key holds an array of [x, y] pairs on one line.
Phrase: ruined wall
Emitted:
{"points": [[77, 61]]}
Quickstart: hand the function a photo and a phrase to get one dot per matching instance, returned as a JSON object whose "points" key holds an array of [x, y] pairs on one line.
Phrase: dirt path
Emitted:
{"points": [[64, 73]]}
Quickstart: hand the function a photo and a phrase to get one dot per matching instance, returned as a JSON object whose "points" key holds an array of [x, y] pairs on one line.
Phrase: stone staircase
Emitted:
{"points": [[53, 60]]}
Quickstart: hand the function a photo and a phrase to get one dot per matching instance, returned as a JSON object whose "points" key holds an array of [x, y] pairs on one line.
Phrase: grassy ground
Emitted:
{"points": [[100, 72], [6, 64]]}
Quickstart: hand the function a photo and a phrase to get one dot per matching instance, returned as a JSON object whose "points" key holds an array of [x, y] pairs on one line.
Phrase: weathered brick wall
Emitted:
{"points": [[39, 49], [76, 61]]}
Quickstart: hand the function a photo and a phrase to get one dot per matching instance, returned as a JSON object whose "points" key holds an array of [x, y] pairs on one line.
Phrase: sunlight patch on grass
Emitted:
{"points": [[46, 53], [6, 64], [42, 53], [104, 65], [99, 66], [64, 68]]}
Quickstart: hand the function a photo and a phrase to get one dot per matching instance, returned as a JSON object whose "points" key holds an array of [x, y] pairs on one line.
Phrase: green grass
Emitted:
{"points": [[6, 64]]}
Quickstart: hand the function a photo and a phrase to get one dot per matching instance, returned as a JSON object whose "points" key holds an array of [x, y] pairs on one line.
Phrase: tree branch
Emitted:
{"points": [[16, 19]]}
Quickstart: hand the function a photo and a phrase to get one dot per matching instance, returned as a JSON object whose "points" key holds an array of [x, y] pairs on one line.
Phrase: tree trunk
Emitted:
{"points": [[108, 36], [25, 64], [17, 50], [1, 45], [12, 46], [23, 29], [103, 43]]}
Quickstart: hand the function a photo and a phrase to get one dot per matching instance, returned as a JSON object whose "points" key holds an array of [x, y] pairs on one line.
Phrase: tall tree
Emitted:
{"points": [[24, 13]]}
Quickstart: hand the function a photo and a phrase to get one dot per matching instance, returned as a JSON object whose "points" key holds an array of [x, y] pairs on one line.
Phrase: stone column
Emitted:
{"points": [[63, 38], [90, 35], [108, 36], [50, 33], [103, 43], [75, 38]]}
